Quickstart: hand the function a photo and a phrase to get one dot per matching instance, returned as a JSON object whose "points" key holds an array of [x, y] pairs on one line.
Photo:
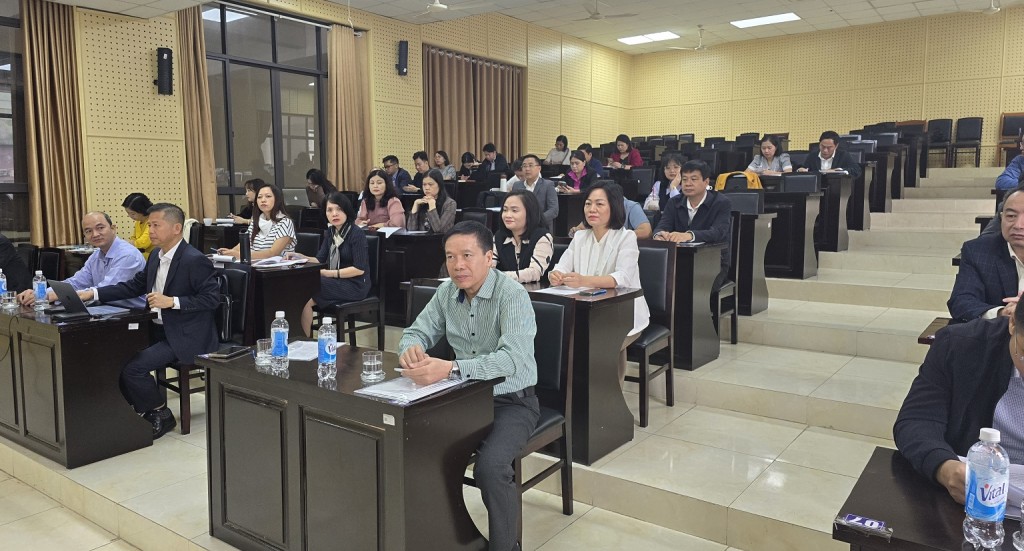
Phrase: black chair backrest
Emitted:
{"points": [[686, 138], [420, 293], [885, 138], [645, 179], [854, 137], [49, 261], [639, 139], [655, 141], [237, 287], [670, 136], [968, 129], [606, 150], [222, 318], [746, 139], [552, 347], [28, 253], [672, 144], [801, 182], [558, 247], [657, 263], [307, 243], [474, 214], [856, 155], [711, 158], [748, 201], [798, 158], [724, 146], [710, 142], [940, 130], [1010, 126], [373, 245], [867, 146], [736, 182]]}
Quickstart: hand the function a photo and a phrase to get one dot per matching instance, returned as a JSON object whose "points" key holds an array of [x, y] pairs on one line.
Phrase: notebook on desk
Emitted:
{"points": [[74, 308]]}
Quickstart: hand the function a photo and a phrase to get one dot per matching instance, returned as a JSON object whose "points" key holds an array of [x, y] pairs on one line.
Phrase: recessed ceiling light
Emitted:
{"points": [[645, 38], [665, 35], [632, 40], [768, 20]]}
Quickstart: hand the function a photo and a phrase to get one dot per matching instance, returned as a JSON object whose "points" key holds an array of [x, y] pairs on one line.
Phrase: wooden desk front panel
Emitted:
{"points": [[39, 382], [9, 391]]}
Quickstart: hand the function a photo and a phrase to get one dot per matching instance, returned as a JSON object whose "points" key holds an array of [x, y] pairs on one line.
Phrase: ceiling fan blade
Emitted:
{"points": [[590, 11], [584, 19], [620, 15], [469, 6]]}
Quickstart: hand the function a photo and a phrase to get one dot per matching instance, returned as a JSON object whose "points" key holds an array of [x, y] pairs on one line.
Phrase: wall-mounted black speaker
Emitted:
{"points": [[403, 58], [164, 71]]}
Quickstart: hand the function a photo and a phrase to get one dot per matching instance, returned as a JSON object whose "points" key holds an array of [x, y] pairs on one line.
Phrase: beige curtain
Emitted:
{"points": [[195, 98], [56, 174], [468, 102], [350, 155]]}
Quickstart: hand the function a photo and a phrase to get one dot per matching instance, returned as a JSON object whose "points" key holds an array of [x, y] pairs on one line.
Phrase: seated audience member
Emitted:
{"points": [[970, 379], [560, 154], [343, 252], [626, 155], [522, 247], [435, 211], [178, 282], [380, 207], [271, 233], [1011, 177], [991, 266], [245, 213], [113, 261], [579, 177], [667, 187], [422, 165], [698, 214], [398, 177], [830, 158], [19, 277], [545, 191], [593, 164], [493, 162], [771, 161], [442, 163], [604, 255], [317, 187], [517, 173], [636, 219], [489, 322], [136, 205], [469, 164]]}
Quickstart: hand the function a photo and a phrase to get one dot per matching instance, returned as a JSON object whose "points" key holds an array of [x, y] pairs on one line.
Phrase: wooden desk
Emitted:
{"points": [[59, 391], [294, 465], [928, 335], [696, 342], [834, 235], [913, 153], [272, 289], [570, 213], [921, 514], [858, 210], [750, 235], [878, 190], [407, 257], [790, 252], [899, 168]]}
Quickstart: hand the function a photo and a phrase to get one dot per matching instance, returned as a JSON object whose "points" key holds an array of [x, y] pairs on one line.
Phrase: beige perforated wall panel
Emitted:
{"points": [[453, 35], [1013, 31], [757, 115], [965, 46], [656, 78], [886, 104], [605, 123], [761, 68], [576, 116], [544, 121], [604, 77], [705, 76], [132, 137], [544, 59], [658, 120], [811, 114], [887, 54], [807, 53], [1013, 94], [967, 98], [506, 39], [388, 85], [282, 5], [703, 119], [577, 70], [397, 130]]}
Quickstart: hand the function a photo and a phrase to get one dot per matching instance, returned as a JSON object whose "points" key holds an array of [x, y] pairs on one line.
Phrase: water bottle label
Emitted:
{"points": [[986, 497], [328, 350], [3, 286], [40, 290], [279, 344]]}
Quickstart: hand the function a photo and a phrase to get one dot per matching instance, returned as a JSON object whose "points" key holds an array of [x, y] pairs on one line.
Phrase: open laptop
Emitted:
{"points": [[74, 308], [295, 196]]}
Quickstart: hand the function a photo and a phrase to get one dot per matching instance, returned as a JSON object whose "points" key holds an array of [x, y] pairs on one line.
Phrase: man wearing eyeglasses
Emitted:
{"points": [[114, 260], [545, 190], [398, 176]]}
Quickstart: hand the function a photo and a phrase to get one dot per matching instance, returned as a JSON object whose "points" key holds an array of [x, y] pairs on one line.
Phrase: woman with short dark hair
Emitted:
{"points": [[136, 206], [522, 247]]}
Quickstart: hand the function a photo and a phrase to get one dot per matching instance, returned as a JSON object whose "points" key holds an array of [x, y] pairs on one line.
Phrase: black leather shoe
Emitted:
{"points": [[162, 420]]}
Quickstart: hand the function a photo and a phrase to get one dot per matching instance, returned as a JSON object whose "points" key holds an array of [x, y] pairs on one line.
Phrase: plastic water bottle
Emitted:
{"points": [[39, 288], [279, 342], [3, 283], [988, 480], [327, 347]]}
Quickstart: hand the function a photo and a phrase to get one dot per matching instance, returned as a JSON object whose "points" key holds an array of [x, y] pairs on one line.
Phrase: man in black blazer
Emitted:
{"points": [[988, 269], [830, 157], [19, 277], [399, 176], [180, 286], [698, 214], [493, 162], [966, 373]]}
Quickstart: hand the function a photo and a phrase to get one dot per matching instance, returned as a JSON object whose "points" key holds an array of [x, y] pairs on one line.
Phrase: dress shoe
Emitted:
{"points": [[162, 420]]}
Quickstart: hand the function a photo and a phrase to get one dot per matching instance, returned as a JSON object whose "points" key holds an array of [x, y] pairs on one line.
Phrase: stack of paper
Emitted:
{"points": [[303, 350], [277, 261], [404, 391]]}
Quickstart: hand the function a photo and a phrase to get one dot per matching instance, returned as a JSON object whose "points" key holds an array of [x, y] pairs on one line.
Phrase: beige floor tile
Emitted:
{"points": [[706, 473], [797, 495], [38, 472], [638, 436], [658, 414], [180, 507], [938, 282], [729, 430], [146, 534], [167, 462], [835, 340], [755, 401], [855, 390], [834, 451], [759, 533], [779, 378], [542, 515], [899, 347], [880, 370], [789, 357], [197, 437], [599, 530], [206, 542], [6, 457], [4, 476], [119, 545], [897, 321], [19, 500], [56, 529], [847, 417], [859, 277]]}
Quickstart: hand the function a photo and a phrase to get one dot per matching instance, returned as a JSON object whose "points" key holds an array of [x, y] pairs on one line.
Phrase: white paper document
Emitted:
{"points": [[303, 351], [277, 261], [387, 231], [404, 390], [562, 290]]}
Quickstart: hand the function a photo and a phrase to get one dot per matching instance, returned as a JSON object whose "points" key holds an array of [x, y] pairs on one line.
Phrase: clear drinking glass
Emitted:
{"points": [[9, 300], [263, 352], [1018, 536], [373, 369]]}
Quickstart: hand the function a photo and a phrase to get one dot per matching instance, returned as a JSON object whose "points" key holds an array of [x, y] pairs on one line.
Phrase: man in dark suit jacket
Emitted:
{"points": [[19, 277], [179, 284], [545, 190], [711, 221], [399, 176], [829, 157], [988, 273], [964, 376], [493, 162]]}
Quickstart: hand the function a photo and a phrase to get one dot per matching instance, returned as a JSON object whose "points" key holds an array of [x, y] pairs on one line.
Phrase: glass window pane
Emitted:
{"points": [[10, 8], [296, 43], [252, 124], [248, 35], [325, 37], [211, 28], [299, 114], [219, 118]]}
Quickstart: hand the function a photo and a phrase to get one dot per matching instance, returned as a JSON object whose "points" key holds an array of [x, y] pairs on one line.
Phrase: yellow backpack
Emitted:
{"points": [[753, 181]]}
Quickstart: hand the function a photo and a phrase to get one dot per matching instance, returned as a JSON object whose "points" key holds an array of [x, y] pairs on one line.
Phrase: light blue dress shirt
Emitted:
{"points": [[120, 263]]}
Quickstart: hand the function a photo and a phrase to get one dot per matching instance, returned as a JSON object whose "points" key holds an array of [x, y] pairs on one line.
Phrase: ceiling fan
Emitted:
{"points": [[596, 15], [700, 47], [992, 9], [437, 7]]}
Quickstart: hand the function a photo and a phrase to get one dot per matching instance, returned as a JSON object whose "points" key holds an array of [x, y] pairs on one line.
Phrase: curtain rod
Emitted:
{"points": [[243, 8]]}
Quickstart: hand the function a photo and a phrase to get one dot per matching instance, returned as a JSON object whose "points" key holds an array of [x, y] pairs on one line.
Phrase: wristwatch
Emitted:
{"points": [[455, 373]]}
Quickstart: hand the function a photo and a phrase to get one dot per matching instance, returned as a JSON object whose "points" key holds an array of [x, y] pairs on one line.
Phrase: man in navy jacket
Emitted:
{"points": [[698, 214], [179, 284]]}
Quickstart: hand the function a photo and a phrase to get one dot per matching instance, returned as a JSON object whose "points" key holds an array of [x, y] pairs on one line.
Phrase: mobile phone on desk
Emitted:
{"points": [[592, 292]]}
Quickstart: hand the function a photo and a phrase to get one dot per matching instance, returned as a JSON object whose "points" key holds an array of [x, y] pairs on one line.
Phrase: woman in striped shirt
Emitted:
{"points": [[272, 232]]}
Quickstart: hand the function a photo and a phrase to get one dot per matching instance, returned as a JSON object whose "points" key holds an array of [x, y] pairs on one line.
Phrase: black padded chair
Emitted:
{"points": [[735, 182], [968, 136], [645, 182], [747, 201], [474, 214], [29, 253], [686, 138], [940, 135], [806, 182], [51, 261], [724, 303], [558, 247], [856, 155], [711, 142], [370, 310], [307, 243], [798, 158], [553, 351], [657, 264], [419, 294]]}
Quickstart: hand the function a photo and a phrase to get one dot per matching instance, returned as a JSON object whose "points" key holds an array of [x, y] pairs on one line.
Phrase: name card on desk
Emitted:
{"points": [[387, 231]]}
